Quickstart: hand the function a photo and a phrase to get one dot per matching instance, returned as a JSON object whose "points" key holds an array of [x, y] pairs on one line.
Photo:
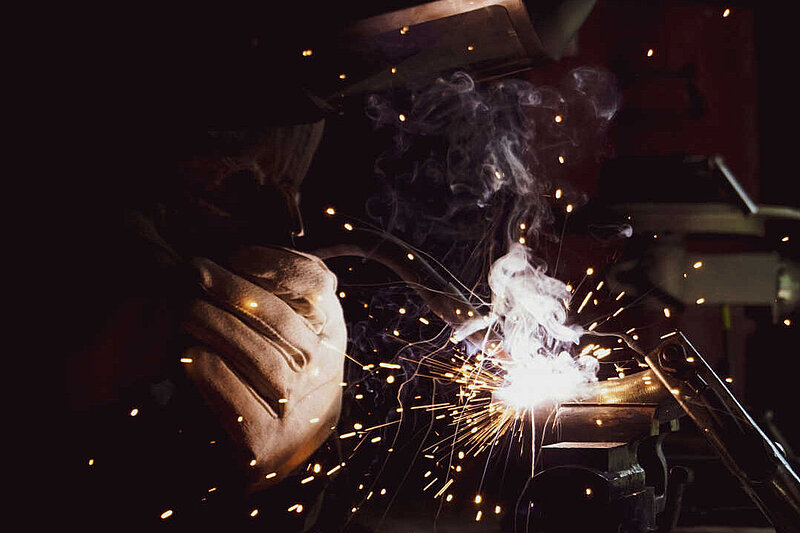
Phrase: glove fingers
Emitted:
{"points": [[301, 280], [264, 312], [253, 356], [277, 445]]}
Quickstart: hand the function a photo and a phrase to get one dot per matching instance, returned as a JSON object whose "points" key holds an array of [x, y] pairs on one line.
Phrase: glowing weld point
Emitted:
{"points": [[330, 211]]}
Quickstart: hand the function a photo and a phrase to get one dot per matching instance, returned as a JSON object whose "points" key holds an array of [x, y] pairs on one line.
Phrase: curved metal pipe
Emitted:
{"points": [[444, 298]]}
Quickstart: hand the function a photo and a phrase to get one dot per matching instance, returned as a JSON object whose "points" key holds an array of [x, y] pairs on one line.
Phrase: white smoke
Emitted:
{"points": [[529, 312]]}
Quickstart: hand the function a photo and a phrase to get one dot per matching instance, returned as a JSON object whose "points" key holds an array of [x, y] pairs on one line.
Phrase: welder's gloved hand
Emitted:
{"points": [[272, 341]]}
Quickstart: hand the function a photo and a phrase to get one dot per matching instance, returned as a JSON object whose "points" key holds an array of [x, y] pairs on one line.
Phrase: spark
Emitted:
{"points": [[497, 509], [667, 312], [330, 211], [729, 380], [254, 513], [787, 322], [700, 301], [342, 76], [561, 159], [478, 498], [313, 420], [619, 296], [271, 475], [390, 379], [389, 365], [404, 30], [306, 480], [589, 271], [307, 52], [410, 256], [569, 208], [785, 238], [402, 310], [186, 360], [726, 13], [698, 264], [557, 119], [470, 47], [478, 516], [401, 117], [134, 412], [558, 194], [166, 514], [348, 226], [650, 52]]}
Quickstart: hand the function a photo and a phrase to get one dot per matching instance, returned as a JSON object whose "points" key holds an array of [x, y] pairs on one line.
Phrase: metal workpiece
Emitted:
{"points": [[761, 468]]}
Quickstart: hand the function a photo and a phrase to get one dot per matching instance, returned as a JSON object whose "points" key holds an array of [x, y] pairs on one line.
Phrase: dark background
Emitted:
{"points": [[127, 82]]}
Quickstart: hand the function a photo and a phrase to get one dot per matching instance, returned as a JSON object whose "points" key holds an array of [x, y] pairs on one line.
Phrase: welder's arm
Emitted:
{"points": [[270, 353]]}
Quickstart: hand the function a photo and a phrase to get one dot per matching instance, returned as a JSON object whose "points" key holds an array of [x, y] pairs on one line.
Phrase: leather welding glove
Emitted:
{"points": [[270, 361]]}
